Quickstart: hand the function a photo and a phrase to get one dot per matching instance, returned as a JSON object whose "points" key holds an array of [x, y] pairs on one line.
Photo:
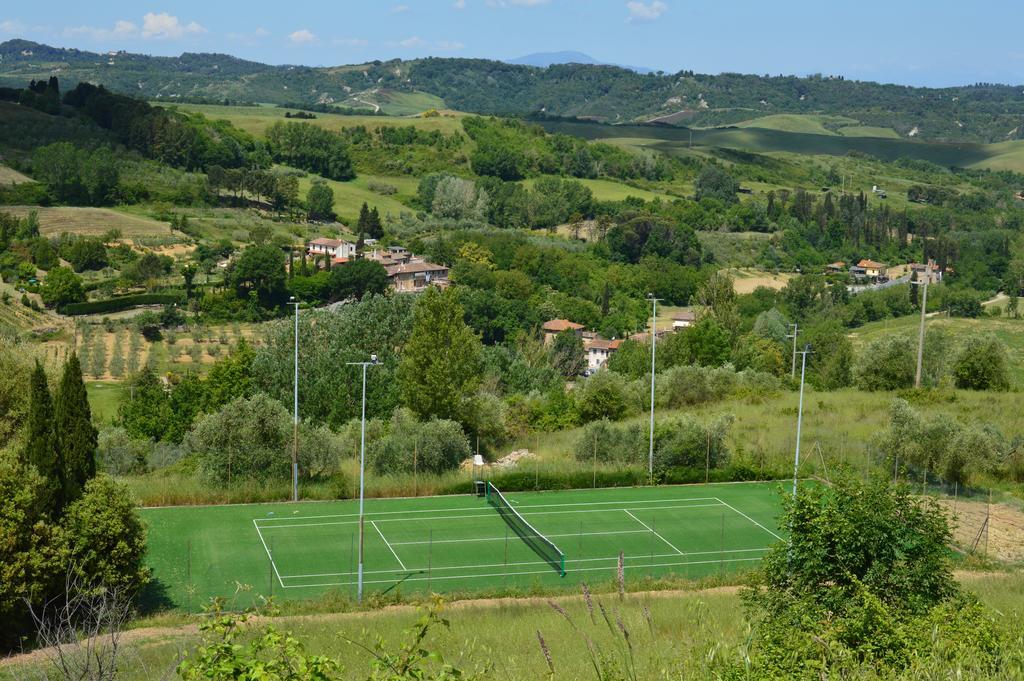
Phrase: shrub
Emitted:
{"points": [[608, 442], [982, 364], [437, 445], [687, 385], [121, 454], [887, 364], [119, 303], [602, 396], [684, 442]]}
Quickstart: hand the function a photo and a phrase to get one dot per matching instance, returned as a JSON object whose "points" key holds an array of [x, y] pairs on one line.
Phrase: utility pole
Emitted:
{"points": [[793, 335], [654, 343], [920, 332], [362, 469], [295, 404], [800, 415]]}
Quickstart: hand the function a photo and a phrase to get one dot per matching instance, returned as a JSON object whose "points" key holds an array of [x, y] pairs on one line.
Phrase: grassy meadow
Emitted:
{"points": [[676, 634]]}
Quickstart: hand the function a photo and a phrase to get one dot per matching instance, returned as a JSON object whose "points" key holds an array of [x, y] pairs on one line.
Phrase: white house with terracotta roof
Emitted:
{"points": [[337, 249], [599, 351]]}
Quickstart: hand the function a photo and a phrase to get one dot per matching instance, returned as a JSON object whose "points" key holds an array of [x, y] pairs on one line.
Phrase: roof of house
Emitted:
{"points": [[871, 264], [561, 325], [838, 264], [324, 241], [602, 344], [415, 268]]}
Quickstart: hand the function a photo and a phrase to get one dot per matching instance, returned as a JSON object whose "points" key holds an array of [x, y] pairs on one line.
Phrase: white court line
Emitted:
{"points": [[651, 530], [518, 506], [265, 548], [516, 574], [388, 544], [489, 513], [569, 561], [549, 536], [750, 519]]}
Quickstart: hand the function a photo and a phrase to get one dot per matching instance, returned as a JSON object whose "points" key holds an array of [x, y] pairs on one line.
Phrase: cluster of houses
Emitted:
{"points": [[871, 272], [598, 349], [407, 272]]}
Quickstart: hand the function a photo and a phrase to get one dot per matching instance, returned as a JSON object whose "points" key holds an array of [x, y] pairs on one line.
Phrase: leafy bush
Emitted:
{"points": [[602, 396], [251, 439], [121, 454], [887, 364], [120, 303], [436, 445], [982, 364]]}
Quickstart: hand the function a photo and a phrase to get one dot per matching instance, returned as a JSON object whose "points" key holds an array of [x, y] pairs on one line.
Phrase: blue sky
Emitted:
{"points": [[937, 42]]}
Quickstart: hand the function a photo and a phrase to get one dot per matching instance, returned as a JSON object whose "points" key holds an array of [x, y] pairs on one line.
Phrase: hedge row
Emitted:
{"points": [[537, 480], [118, 304]]}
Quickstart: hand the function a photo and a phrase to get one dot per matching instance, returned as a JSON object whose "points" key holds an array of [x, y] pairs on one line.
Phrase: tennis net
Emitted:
{"points": [[541, 545]]}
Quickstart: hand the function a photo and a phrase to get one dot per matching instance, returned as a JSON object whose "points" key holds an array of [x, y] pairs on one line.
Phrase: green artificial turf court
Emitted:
{"points": [[457, 543]]}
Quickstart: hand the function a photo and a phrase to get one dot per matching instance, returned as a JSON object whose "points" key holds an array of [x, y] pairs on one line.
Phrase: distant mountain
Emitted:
{"points": [[610, 94], [546, 59]]}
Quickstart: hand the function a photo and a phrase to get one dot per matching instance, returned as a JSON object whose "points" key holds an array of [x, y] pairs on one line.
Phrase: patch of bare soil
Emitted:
{"points": [[1001, 538]]}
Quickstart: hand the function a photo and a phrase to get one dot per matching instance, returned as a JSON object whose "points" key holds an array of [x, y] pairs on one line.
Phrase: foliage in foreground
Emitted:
{"points": [[864, 585]]}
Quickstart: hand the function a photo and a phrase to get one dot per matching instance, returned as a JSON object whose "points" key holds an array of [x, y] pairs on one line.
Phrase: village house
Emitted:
{"points": [[681, 320], [872, 269], [554, 327], [599, 351], [836, 267], [336, 249], [413, 277]]}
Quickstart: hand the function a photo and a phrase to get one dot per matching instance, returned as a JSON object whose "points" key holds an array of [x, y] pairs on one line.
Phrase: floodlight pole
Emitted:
{"points": [[654, 343], [793, 335], [362, 469], [920, 333], [295, 404], [800, 415]]}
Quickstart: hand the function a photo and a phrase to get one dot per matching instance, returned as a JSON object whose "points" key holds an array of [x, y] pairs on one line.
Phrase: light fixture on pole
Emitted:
{"points": [[295, 404], [362, 469], [920, 333], [793, 335], [800, 413], [654, 343]]}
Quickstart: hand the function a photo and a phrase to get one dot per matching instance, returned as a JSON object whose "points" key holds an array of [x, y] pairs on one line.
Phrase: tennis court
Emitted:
{"points": [[462, 543]]}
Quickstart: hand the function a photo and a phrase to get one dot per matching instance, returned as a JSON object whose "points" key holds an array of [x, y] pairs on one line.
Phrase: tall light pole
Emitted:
{"points": [[295, 404], [654, 343], [800, 414], [920, 333], [362, 469], [793, 335]]}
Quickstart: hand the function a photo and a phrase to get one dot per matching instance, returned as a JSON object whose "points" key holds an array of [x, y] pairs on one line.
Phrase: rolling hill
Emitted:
{"points": [[969, 114]]}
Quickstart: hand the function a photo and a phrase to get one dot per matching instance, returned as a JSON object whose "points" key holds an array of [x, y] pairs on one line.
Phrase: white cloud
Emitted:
{"points": [[351, 42], [400, 9], [519, 3], [302, 36], [122, 29], [416, 42], [646, 12], [249, 38], [11, 26], [413, 41], [459, 4], [164, 25]]}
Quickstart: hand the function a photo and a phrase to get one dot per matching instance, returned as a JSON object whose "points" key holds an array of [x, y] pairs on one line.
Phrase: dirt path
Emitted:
{"points": [[152, 635]]}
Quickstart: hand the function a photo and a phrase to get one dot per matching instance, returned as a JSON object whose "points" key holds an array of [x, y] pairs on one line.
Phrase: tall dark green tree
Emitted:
{"points": [[363, 224], [75, 435], [41, 450], [374, 227]]}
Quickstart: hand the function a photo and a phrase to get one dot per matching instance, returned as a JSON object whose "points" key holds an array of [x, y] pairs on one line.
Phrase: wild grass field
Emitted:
{"points": [[610, 190], [10, 176], [256, 120], [349, 196], [95, 222], [679, 634], [1007, 155]]}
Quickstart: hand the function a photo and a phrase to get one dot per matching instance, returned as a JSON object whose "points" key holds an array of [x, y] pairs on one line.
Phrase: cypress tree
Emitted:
{"points": [[375, 228], [363, 224], [75, 435], [41, 450]]}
